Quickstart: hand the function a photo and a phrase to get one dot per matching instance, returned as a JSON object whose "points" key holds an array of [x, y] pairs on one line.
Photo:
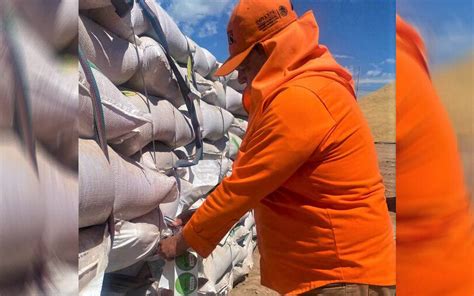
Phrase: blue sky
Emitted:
{"points": [[359, 33], [446, 26]]}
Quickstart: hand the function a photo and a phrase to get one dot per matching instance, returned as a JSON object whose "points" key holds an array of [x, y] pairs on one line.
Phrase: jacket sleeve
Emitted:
{"points": [[285, 137]]}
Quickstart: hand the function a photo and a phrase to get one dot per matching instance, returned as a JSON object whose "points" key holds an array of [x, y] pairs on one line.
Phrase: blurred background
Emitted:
{"points": [[447, 28], [38, 148]]}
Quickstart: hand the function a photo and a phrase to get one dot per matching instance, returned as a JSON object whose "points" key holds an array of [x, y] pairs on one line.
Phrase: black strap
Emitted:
{"points": [[185, 91], [99, 122], [122, 7], [21, 100]]}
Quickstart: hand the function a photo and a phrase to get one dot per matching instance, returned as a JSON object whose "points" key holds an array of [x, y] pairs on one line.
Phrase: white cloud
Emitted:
{"points": [[342, 56], [208, 29], [350, 68], [195, 16], [388, 75], [190, 11], [378, 80], [389, 61], [374, 73]]}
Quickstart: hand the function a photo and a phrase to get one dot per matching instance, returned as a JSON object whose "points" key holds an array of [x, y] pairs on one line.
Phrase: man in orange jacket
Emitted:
{"points": [[307, 165]]}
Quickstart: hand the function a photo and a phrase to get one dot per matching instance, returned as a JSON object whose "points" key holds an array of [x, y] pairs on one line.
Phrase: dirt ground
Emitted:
{"points": [[251, 285]]}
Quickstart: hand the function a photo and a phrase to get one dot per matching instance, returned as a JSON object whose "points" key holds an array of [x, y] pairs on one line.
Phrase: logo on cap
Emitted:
{"points": [[283, 11], [267, 20]]}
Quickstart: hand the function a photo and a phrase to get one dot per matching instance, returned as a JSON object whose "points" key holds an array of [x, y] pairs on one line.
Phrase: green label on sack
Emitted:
{"points": [[129, 93], [186, 262], [236, 144], [186, 283]]}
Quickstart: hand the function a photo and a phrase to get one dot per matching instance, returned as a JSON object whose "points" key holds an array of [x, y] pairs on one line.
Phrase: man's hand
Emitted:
{"points": [[173, 246], [183, 218]]}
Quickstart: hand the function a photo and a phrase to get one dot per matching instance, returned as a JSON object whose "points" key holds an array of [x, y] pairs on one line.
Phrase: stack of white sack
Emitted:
{"points": [[38, 150], [231, 261], [149, 131], [136, 23]]}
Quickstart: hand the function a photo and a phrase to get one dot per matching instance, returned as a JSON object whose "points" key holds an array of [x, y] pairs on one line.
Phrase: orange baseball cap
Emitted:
{"points": [[253, 21]]}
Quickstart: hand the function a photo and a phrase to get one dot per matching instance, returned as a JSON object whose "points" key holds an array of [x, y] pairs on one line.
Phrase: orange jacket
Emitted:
{"points": [[434, 229], [308, 168]]}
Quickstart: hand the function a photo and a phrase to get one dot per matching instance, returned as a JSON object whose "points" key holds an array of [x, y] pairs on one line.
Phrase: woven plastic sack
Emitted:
{"points": [[135, 240], [52, 91], [239, 127], [233, 100], [59, 189], [115, 57], [121, 117], [170, 126], [136, 19], [54, 20], [138, 189], [94, 248], [22, 211], [216, 121], [212, 92], [96, 185], [156, 72]]}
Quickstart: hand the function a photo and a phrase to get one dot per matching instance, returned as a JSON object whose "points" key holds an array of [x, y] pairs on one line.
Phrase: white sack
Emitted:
{"points": [[54, 20], [169, 126], [138, 189], [122, 26], [204, 61], [115, 57], [221, 261], [22, 210], [134, 240], [94, 247], [212, 92], [239, 127], [242, 268], [232, 80], [157, 73], [121, 117], [216, 121], [59, 188], [161, 159], [96, 184], [233, 101], [52, 91]]}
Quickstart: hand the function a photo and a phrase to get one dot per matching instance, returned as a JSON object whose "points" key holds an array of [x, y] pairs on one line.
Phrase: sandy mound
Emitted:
{"points": [[455, 86], [379, 110]]}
